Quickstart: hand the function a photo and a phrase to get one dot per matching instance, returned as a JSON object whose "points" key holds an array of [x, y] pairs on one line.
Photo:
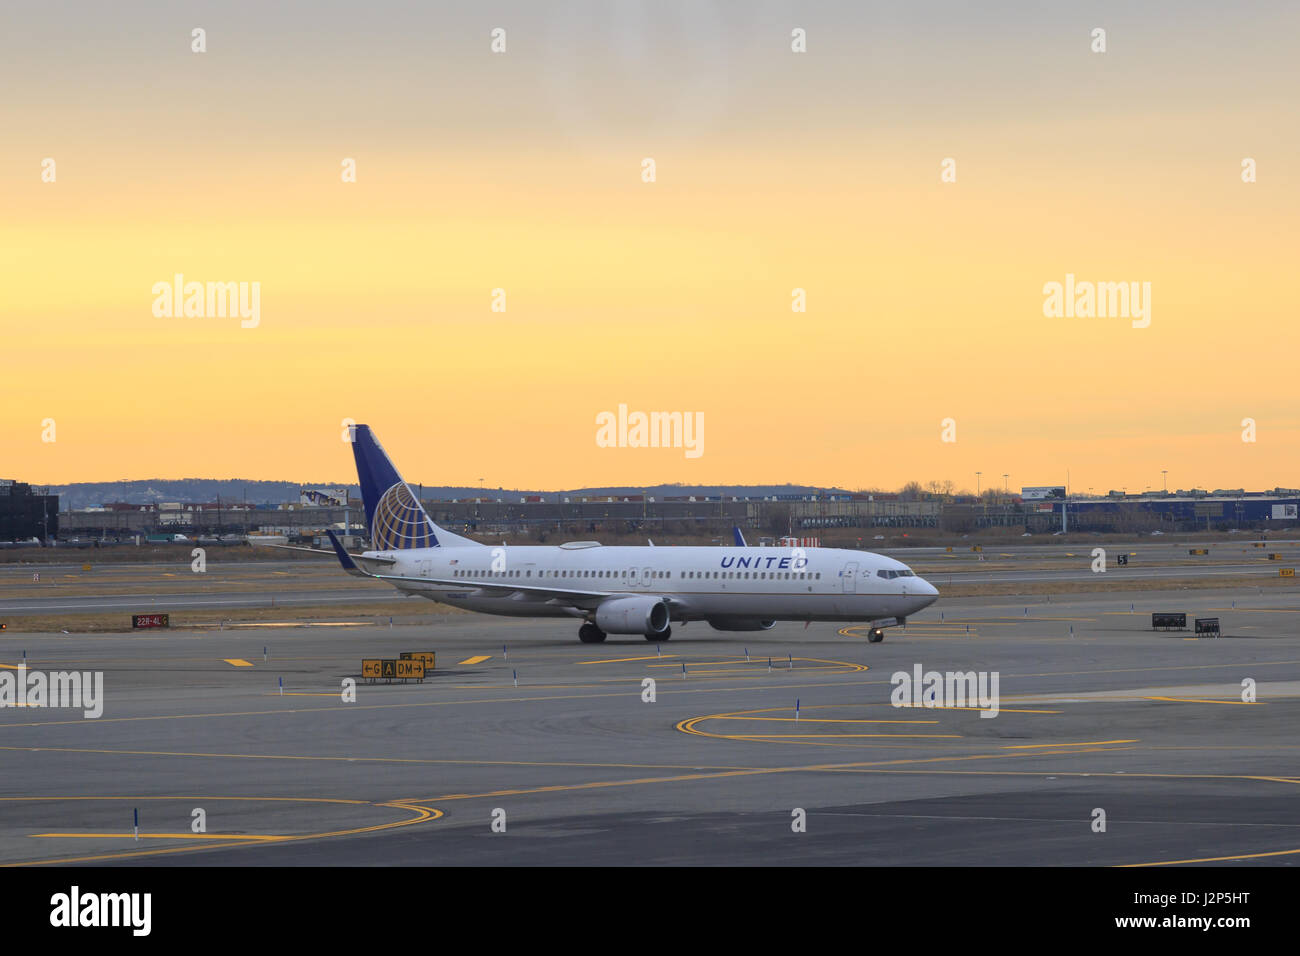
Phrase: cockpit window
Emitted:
{"points": [[889, 575]]}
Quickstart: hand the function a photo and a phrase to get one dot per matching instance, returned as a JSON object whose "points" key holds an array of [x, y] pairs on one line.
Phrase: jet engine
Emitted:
{"points": [[635, 614]]}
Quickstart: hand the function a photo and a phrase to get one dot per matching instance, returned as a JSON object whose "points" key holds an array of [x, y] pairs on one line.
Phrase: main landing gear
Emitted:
{"points": [[590, 634], [876, 635]]}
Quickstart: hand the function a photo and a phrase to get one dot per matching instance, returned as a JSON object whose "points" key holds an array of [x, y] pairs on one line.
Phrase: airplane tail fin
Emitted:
{"points": [[396, 519]]}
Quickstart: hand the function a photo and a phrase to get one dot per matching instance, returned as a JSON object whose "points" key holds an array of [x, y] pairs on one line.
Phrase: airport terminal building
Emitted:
{"points": [[1182, 511]]}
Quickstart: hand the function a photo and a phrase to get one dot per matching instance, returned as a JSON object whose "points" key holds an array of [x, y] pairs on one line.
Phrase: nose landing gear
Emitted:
{"points": [[876, 635]]}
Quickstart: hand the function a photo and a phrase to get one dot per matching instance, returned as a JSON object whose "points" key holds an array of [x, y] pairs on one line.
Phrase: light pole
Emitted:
{"points": [[1006, 483], [977, 483], [1165, 473]]}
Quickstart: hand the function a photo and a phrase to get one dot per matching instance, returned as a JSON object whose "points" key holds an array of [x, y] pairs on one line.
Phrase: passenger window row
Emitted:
{"points": [[759, 575], [691, 575]]}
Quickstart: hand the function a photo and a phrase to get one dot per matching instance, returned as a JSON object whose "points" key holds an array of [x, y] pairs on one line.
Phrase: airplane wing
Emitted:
{"points": [[558, 597], [552, 595], [329, 551], [292, 547], [570, 594]]}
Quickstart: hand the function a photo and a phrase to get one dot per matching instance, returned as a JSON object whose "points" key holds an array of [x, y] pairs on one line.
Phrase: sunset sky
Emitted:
{"points": [[775, 170]]}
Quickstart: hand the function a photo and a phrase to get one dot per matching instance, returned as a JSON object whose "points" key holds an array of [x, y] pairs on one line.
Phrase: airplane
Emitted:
{"points": [[619, 590]]}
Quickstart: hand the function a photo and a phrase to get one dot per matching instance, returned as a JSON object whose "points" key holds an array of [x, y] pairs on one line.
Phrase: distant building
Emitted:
{"points": [[25, 514]]}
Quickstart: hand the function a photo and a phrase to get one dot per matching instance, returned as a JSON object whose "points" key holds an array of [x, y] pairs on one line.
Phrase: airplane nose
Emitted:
{"points": [[924, 587]]}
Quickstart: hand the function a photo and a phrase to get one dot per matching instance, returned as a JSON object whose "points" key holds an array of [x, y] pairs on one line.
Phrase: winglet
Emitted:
{"points": [[345, 559], [740, 538]]}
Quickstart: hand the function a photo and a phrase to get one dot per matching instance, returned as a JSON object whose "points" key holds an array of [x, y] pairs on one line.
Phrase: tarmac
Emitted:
{"points": [[1113, 744]]}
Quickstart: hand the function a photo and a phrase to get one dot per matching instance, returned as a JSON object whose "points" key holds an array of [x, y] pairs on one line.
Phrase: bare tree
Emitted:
{"points": [[777, 520]]}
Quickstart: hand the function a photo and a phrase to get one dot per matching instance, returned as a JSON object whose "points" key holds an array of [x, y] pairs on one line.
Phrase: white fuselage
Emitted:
{"points": [[698, 583]]}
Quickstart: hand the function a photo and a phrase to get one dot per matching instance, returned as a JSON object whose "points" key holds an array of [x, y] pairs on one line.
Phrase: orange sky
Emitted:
{"points": [[774, 171]]}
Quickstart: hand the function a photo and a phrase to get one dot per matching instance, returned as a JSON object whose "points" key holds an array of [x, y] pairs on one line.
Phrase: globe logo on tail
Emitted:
{"points": [[400, 523]]}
